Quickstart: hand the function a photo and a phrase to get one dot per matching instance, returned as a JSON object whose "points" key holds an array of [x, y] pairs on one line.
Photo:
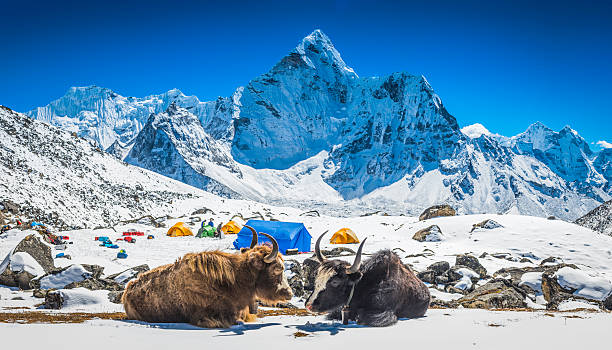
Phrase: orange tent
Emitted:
{"points": [[179, 229], [231, 228], [344, 236]]}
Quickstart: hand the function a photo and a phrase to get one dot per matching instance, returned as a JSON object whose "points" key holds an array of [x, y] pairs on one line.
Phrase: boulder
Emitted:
{"points": [[309, 268], [115, 297], [495, 294], [16, 279], [428, 234], [295, 277], [608, 302], [10, 206], [96, 284], [436, 211], [125, 276], [33, 245], [54, 300], [439, 268], [427, 276], [338, 251], [488, 224], [472, 263]]}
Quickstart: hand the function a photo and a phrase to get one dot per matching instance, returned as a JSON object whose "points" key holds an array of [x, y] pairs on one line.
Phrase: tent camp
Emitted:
{"points": [[179, 229], [231, 228], [289, 235], [344, 236]]}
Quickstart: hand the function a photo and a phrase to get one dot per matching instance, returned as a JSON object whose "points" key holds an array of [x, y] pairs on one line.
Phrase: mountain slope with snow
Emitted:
{"points": [[367, 143], [58, 177], [598, 219]]}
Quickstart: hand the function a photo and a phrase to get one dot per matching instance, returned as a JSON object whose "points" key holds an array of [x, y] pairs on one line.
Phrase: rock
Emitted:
{"points": [[115, 297], [608, 302], [10, 206], [17, 298], [552, 218], [525, 260], [451, 289], [295, 277], [16, 279], [54, 300], [488, 224], [439, 268], [516, 273], [41, 293], [336, 252], [96, 270], [96, 284], [310, 266], [453, 272], [436, 211], [552, 260], [429, 234], [203, 211], [427, 276], [472, 263], [125, 276], [38, 250], [495, 294]]}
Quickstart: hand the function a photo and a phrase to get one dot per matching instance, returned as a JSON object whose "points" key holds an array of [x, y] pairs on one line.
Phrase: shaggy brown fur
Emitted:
{"points": [[208, 289]]}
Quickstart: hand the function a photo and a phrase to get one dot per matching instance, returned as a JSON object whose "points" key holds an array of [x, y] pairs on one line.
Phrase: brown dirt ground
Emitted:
{"points": [[27, 317]]}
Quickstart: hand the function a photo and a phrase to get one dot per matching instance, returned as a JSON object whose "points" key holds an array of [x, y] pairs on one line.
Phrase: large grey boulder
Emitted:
{"points": [[472, 263]]}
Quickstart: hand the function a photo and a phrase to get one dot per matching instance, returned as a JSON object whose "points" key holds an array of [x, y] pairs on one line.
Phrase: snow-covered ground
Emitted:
{"points": [[440, 329], [521, 236]]}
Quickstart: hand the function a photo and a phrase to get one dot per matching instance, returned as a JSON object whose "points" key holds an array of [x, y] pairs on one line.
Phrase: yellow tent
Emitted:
{"points": [[344, 236], [231, 228], [179, 229]]}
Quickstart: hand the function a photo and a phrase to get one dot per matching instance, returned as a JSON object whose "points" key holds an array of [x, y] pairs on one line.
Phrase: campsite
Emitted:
{"points": [[527, 242]]}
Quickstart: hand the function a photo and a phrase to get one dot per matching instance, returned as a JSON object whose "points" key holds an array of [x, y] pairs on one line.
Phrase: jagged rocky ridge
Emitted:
{"points": [[53, 176], [312, 131], [598, 219]]}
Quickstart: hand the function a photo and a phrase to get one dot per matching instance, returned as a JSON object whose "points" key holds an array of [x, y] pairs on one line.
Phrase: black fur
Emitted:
{"points": [[386, 291]]}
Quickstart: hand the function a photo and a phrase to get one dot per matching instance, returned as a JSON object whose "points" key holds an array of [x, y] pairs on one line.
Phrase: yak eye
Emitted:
{"points": [[334, 283]]}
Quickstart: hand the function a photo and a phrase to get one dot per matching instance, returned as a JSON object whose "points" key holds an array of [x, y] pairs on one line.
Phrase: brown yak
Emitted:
{"points": [[209, 289]]}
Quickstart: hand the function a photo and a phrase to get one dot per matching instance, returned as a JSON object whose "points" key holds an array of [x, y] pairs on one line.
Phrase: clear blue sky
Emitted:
{"points": [[503, 65]]}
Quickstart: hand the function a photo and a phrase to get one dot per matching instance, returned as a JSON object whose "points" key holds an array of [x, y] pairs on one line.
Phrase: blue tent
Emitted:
{"points": [[289, 235]]}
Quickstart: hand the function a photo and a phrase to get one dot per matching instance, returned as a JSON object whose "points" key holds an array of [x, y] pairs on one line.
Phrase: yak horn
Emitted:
{"points": [[254, 239], [272, 256], [320, 256], [357, 262]]}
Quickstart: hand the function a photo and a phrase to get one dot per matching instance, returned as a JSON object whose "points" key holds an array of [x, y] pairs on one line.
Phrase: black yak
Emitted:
{"points": [[375, 293]]}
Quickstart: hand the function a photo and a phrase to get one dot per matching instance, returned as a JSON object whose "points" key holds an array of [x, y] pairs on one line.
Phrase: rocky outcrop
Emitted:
{"points": [[600, 218], [488, 224], [472, 263], [33, 245], [437, 211], [495, 294], [428, 234]]}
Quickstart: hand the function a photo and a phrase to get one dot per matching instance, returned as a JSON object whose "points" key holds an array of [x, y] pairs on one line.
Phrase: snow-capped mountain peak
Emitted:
{"points": [[474, 131]]}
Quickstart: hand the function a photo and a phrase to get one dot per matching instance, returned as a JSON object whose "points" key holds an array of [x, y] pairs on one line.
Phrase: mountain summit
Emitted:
{"points": [[311, 131]]}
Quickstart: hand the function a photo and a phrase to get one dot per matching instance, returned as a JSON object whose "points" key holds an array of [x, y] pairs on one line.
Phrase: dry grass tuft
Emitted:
{"points": [[28, 317]]}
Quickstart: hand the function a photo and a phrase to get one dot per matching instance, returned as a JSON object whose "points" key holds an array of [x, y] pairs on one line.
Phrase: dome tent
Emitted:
{"points": [[231, 228], [289, 235], [344, 236], [179, 229]]}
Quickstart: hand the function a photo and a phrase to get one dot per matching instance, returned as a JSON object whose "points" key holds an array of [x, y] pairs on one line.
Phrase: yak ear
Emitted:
{"points": [[355, 276], [242, 250], [256, 260]]}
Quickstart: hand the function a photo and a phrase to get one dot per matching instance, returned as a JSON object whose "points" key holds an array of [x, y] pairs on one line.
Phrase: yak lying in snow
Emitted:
{"points": [[209, 289], [376, 293]]}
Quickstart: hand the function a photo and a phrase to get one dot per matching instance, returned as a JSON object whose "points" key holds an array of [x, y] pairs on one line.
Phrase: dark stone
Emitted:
{"points": [[453, 272], [608, 302], [472, 263], [336, 252], [439, 268], [16, 279], [296, 282], [551, 259], [437, 211], [310, 266], [427, 276], [495, 294], [96, 284], [54, 300]]}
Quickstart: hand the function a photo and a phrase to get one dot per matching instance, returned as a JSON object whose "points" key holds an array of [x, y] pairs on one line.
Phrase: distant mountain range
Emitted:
{"points": [[312, 132]]}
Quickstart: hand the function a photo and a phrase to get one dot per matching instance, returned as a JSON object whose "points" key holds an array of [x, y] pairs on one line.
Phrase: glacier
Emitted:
{"points": [[311, 132]]}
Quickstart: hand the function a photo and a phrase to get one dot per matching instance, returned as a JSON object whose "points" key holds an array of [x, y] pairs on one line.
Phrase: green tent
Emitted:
{"points": [[206, 231]]}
